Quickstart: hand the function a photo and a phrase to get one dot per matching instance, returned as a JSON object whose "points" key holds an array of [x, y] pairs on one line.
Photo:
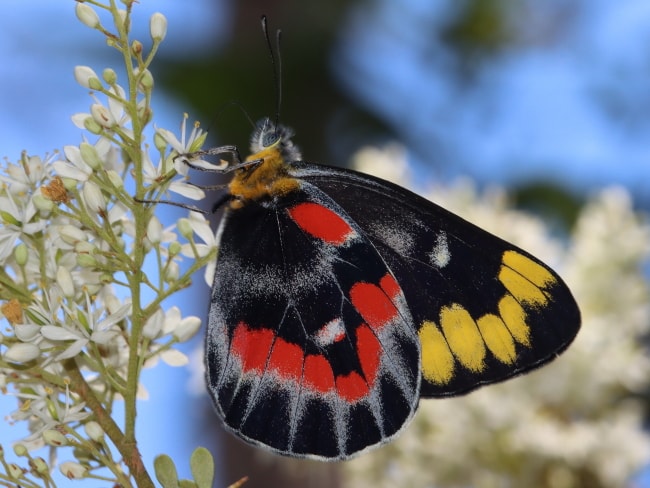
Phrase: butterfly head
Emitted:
{"points": [[268, 134]]}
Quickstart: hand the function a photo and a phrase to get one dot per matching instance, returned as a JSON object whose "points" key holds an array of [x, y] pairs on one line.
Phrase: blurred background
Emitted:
{"points": [[550, 100]]}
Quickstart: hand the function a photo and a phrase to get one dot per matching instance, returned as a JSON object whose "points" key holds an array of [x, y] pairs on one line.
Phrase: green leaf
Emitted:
{"points": [[166, 471], [202, 466]]}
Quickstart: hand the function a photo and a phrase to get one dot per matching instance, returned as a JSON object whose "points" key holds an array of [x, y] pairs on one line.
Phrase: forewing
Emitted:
{"points": [[310, 349], [485, 310]]}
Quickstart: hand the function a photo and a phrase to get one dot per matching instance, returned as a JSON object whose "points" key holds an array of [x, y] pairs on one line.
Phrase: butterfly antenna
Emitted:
{"points": [[276, 63], [227, 105]]}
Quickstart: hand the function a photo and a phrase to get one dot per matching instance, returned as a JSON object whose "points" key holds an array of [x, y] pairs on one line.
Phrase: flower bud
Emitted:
{"points": [[184, 227], [21, 353], [54, 438], [154, 230], [20, 450], [158, 27], [90, 156], [87, 15], [72, 470], [64, 280], [40, 466], [15, 471], [110, 76], [86, 77], [94, 431], [21, 254], [71, 234], [93, 197], [102, 115]]}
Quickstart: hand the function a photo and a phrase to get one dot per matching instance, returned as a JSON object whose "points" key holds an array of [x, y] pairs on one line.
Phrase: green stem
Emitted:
{"points": [[127, 447]]}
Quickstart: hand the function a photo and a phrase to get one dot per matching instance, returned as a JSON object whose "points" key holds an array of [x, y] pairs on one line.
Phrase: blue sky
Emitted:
{"points": [[568, 102]]}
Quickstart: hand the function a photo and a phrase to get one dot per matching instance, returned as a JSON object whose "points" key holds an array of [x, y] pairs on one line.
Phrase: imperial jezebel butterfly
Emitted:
{"points": [[340, 300]]}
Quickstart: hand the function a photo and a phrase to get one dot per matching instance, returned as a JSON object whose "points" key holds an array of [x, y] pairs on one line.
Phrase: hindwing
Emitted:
{"points": [[310, 349]]}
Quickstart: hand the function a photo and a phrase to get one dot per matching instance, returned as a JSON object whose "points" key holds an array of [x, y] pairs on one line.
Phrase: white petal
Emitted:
{"points": [[173, 357], [78, 120], [64, 280], [189, 191], [172, 320], [210, 270], [154, 230], [56, 333], [103, 337], [21, 353], [201, 228], [187, 328], [73, 350], [153, 325], [27, 332]]}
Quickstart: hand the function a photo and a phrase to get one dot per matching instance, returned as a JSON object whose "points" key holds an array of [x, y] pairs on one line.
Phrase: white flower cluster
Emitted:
{"points": [[575, 422], [81, 318]]}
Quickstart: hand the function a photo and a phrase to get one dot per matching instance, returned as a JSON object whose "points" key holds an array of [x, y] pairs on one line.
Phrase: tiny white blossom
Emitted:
{"points": [[186, 144], [30, 173], [74, 167], [17, 215], [102, 115], [152, 174], [99, 331]]}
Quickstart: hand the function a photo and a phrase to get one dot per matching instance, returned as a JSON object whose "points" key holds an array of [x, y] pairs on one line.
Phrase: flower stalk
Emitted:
{"points": [[78, 229]]}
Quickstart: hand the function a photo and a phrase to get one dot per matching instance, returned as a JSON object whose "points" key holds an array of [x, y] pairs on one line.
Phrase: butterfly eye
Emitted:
{"points": [[270, 139]]}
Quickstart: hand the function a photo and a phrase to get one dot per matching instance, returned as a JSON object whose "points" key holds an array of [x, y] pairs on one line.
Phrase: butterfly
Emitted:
{"points": [[340, 300]]}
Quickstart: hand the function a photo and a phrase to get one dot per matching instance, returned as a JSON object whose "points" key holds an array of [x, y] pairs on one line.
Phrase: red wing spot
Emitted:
{"points": [[369, 351], [318, 373], [373, 304], [351, 387], [390, 286], [252, 347], [287, 359], [321, 222]]}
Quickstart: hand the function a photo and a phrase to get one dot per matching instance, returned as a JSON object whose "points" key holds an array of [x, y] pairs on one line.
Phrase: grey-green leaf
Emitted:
{"points": [[166, 471], [202, 466]]}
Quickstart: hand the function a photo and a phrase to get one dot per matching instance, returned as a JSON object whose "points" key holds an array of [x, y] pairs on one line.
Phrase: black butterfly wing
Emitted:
{"points": [[484, 309], [300, 357]]}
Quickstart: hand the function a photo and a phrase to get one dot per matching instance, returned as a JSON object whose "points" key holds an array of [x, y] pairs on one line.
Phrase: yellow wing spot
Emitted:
{"points": [[268, 178], [529, 269], [521, 288], [463, 336], [514, 316], [497, 337], [437, 360]]}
